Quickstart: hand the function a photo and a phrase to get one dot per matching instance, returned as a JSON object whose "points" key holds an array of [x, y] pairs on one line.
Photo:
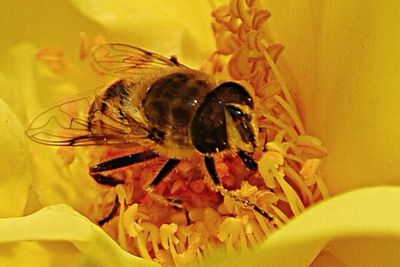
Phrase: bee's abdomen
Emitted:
{"points": [[171, 102]]}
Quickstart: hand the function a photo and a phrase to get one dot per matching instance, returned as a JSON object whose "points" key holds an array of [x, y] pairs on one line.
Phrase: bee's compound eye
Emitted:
{"points": [[231, 92], [235, 112], [208, 128]]}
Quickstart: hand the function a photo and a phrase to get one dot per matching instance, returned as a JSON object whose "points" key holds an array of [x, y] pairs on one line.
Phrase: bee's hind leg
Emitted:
{"points": [[111, 214], [96, 172], [165, 170], [210, 166]]}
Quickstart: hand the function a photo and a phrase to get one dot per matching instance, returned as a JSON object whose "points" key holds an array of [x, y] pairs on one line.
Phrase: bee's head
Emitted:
{"points": [[225, 120], [241, 128]]}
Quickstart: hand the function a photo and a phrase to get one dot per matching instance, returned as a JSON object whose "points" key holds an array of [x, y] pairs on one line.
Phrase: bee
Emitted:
{"points": [[172, 110]]}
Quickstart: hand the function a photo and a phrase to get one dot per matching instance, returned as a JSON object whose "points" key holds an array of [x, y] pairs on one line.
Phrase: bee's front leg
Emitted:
{"points": [[218, 186]]}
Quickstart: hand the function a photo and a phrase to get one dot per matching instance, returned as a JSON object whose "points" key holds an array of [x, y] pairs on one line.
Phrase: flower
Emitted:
{"points": [[331, 232]]}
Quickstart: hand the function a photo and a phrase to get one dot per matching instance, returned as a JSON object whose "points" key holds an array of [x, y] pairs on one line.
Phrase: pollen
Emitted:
{"points": [[289, 178]]}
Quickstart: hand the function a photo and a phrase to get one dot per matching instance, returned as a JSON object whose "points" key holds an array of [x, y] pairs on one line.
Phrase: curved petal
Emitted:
{"points": [[55, 182], [343, 57], [341, 231], [60, 231], [168, 27], [29, 86], [20, 90], [14, 165]]}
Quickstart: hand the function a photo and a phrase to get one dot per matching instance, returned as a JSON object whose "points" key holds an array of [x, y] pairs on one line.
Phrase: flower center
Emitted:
{"points": [[288, 159], [287, 182]]}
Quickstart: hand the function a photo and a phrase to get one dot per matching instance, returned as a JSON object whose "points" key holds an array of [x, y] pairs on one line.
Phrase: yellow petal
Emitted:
{"points": [[29, 27], [28, 91], [19, 88], [340, 231], [14, 164], [343, 57], [54, 182], [60, 231], [176, 27], [34, 254], [43, 24]]}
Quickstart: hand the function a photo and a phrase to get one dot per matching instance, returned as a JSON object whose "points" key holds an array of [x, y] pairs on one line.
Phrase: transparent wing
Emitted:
{"points": [[124, 59], [80, 122]]}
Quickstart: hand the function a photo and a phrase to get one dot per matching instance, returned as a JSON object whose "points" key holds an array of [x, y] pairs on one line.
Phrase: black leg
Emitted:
{"points": [[106, 179], [248, 160], [166, 169], [210, 166], [95, 171], [111, 214], [264, 146]]}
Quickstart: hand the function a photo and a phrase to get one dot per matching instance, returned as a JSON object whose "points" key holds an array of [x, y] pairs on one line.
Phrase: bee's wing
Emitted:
{"points": [[124, 59], [69, 124]]}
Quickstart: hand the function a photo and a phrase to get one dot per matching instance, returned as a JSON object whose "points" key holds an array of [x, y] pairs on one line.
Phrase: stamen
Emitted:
{"points": [[119, 189], [292, 113], [293, 199], [53, 58], [322, 187], [281, 218], [279, 78], [299, 182], [309, 170], [87, 44]]}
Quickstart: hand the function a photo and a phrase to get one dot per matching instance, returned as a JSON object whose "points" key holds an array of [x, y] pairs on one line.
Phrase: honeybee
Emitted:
{"points": [[172, 110]]}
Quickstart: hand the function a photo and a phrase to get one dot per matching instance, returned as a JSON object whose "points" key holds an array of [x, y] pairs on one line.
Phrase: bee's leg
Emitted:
{"points": [[111, 214], [248, 160], [96, 170], [263, 131], [210, 165], [166, 169]]}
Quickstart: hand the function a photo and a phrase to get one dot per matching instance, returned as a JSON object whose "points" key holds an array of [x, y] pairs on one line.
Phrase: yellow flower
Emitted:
{"points": [[343, 70]]}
